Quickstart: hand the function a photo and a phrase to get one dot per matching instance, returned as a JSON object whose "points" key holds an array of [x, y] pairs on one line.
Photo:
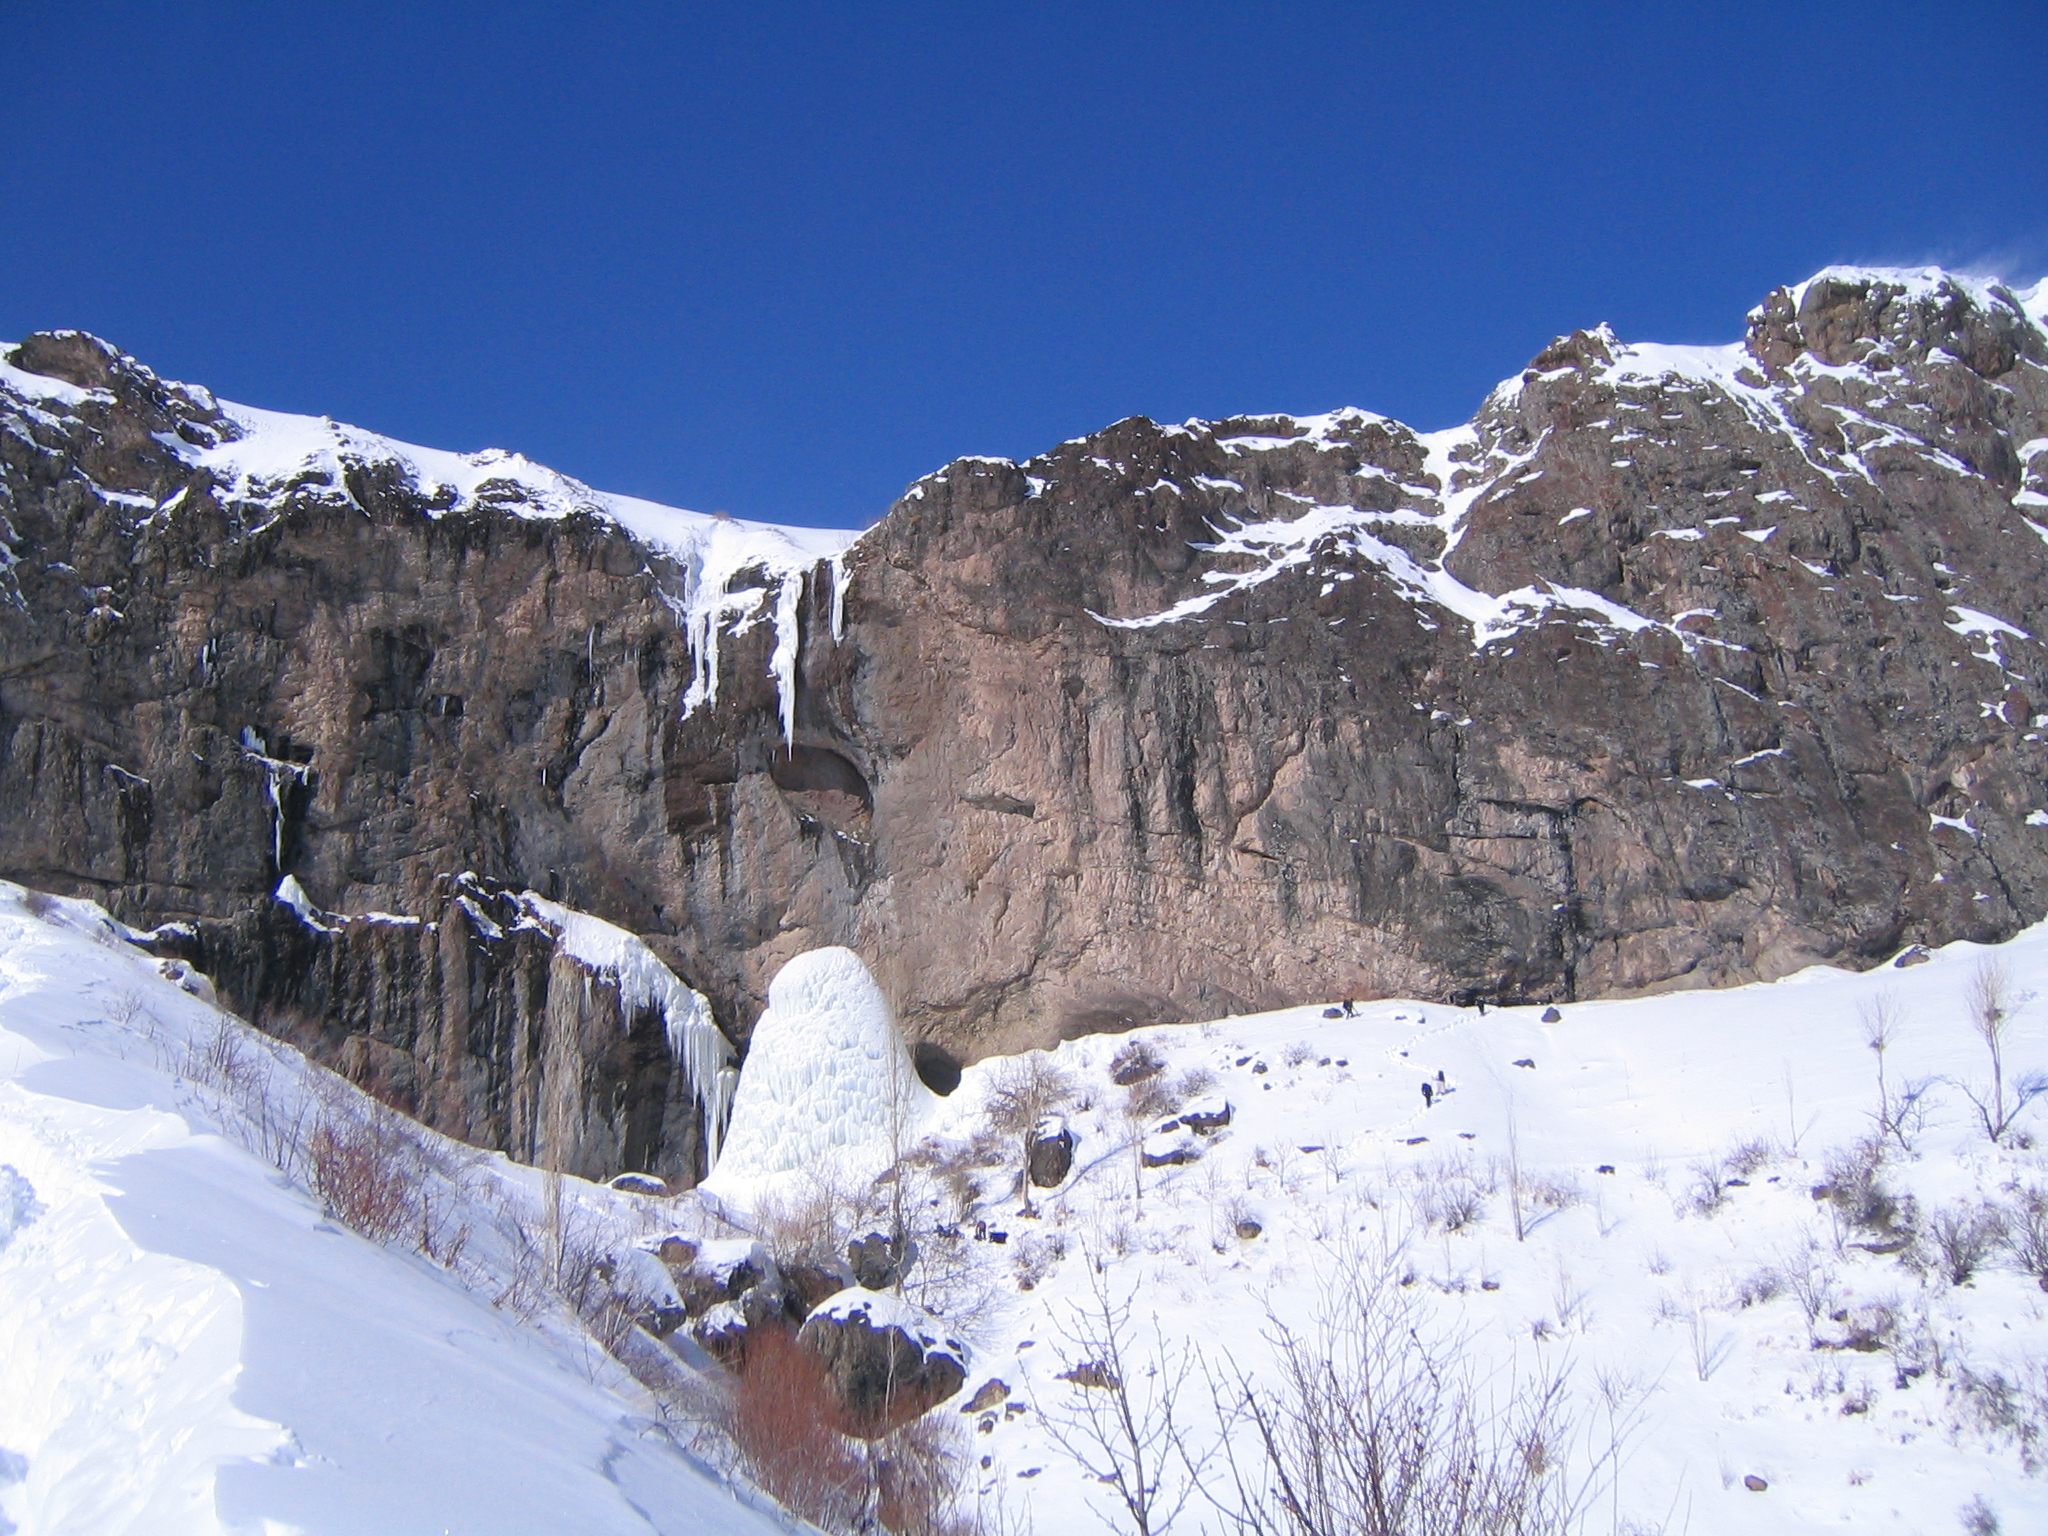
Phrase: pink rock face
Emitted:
{"points": [[1675, 667]]}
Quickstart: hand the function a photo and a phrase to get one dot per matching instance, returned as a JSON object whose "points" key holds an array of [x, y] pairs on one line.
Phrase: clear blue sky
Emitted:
{"points": [[782, 259]]}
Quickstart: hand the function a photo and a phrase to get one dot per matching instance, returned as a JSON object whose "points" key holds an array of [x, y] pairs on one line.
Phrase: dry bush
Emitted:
{"points": [[1962, 1237], [2026, 1233], [1151, 1100], [781, 1427], [1120, 1421], [1811, 1280], [1027, 1089], [1035, 1255], [1856, 1195], [1757, 1287], [920, 1476], [361, 1170], [809, 1223], [954, 1170], [41, 905], [1378, 1428], [2009, 1406], [1704, 1192], [1451, 1194], [1992, 1002], [1747, 1158]]}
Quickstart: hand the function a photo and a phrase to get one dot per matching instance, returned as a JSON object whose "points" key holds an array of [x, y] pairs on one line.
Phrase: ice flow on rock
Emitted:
{"points": [[827, 1089]]}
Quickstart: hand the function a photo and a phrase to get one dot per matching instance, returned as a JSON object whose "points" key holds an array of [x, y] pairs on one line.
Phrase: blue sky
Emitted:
{"points": [[782, 259]]}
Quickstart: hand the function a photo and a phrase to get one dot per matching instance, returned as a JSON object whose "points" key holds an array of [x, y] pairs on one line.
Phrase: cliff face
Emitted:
{"points": [[1675, 667]]}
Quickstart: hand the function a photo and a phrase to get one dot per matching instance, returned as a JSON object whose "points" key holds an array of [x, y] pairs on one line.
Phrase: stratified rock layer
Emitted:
{"points": [[1676, 667]]}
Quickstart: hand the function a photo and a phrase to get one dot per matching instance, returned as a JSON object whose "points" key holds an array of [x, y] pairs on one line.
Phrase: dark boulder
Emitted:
{"points": [[887, 1361]]}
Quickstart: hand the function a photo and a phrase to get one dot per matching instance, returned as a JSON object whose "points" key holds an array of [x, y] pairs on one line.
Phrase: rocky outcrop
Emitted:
{"points": [[488, 1021], [1675, 667]]}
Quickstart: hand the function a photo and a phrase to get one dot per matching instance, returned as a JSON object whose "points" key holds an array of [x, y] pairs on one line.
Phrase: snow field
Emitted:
{"points": [[1676, 1274], [1623, 1200]]}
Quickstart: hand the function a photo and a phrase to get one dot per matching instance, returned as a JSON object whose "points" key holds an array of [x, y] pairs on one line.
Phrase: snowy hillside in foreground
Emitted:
{"points": [[188, 1345], [1669, 1148], [173, 1310], [1755, 1356]]}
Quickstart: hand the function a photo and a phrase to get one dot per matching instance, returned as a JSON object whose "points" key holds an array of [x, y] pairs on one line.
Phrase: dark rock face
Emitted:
{"points": [[476, 1021], [1676, 667]]}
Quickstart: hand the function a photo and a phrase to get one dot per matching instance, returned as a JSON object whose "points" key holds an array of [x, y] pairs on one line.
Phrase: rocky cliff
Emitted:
{"points": [[1674, 667]]}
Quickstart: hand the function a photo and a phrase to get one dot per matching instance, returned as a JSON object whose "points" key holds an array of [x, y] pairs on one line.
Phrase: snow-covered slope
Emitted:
{"points": [[1660, 1203], [1668, 1152], [187, 1344]]}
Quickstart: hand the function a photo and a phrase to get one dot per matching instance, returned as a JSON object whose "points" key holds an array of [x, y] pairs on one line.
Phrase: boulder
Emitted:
{"points": [[1169, 1147], [1206, 1116], [638, 1184], [887, 1362], [1133, 1062], [1051, 1155], [877, 1262]]}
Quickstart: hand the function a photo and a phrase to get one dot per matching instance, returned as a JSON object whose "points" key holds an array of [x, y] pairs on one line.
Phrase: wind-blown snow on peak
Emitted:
{"points": [[827, 1090], [1852, 327]]}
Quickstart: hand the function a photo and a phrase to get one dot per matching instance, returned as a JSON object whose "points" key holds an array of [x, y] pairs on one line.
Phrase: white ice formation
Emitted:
{"points": [[827, 1090]]}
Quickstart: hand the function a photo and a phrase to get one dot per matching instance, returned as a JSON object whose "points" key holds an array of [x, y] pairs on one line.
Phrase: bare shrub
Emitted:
{"points": [[1962, 1237], [1152, 1099], [808, 1222], [2008, 1406], [225, 1060], [1747, 1158], [1120, 1423], [1027, 1090], [1377, 1427], [1704, 1195], [920, 1473], [360, 1169], [1992, 1003], [1901, 1108], [41, 905], [1978, 1517], [1298, 1054], [2026, 1233], [1811, 1280], [1035, 1256], [1757, 1287], [1855, 1193], [781, 1425]]}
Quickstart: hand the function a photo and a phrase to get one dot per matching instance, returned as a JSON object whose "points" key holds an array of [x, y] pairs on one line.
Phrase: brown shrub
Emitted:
{"points": [[782, 1412], [360, 1170]]}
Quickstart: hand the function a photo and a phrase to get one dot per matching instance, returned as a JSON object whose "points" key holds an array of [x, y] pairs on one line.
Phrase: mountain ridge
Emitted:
{"points": [[1673, 667]]}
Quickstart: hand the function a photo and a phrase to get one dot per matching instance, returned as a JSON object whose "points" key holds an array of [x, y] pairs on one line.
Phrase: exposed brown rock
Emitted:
{"points": [[1786, 739]]}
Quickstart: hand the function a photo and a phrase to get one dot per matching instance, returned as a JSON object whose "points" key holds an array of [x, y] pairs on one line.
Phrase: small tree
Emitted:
{"points": [[1992, 1003], [1121, 1423], [1027, 1089]]}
